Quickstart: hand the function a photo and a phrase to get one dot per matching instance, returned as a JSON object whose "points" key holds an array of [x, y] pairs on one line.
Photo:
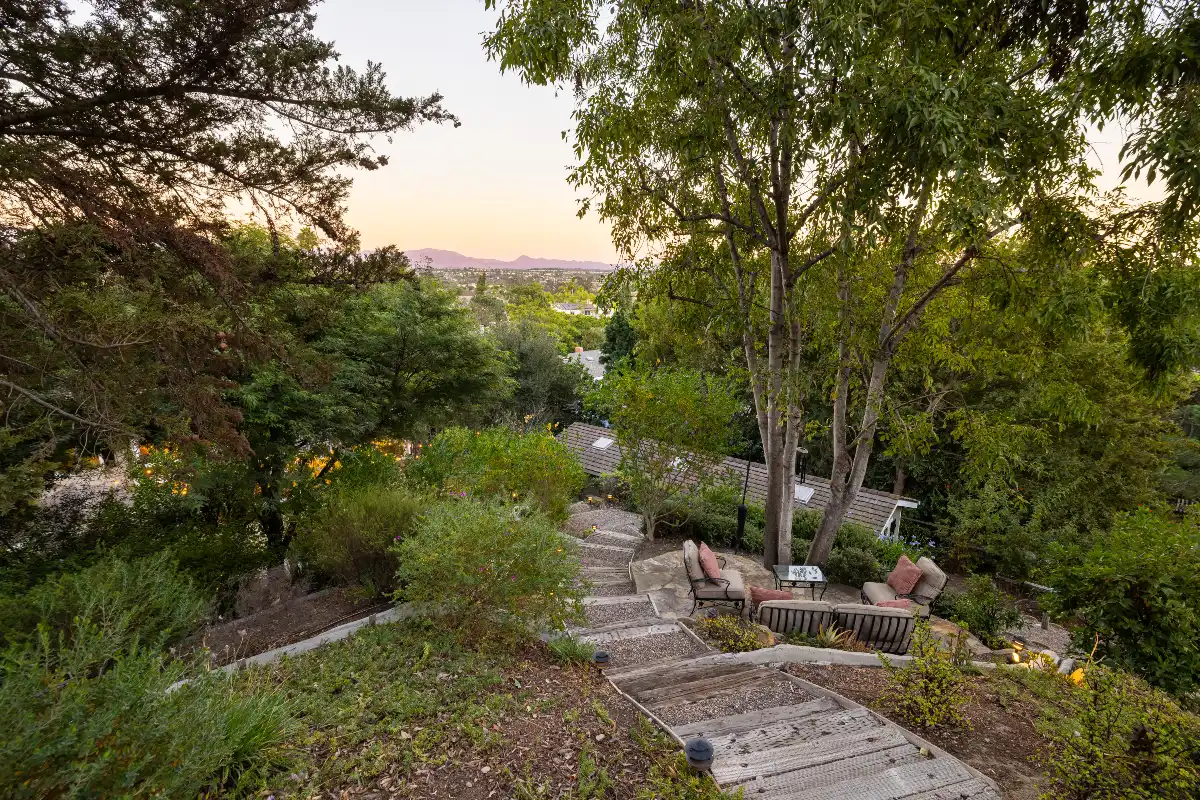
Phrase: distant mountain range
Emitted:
{"points": [[448, 259]]}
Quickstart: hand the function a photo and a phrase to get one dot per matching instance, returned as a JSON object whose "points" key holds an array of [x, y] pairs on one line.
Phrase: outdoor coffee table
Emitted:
{"points": [[802, 575]]}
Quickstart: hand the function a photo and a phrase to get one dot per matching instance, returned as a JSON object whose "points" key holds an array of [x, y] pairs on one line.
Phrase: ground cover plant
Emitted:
{"points": [[982, 609], [928, 690]]}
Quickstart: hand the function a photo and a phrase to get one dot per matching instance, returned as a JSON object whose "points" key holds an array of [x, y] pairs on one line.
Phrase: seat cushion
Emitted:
{"points": [[708, 562], [796, 616], [904, 578], [878, 592], [759, 595], [904, 603], [736, 590], [691, 561], [933, 579]]}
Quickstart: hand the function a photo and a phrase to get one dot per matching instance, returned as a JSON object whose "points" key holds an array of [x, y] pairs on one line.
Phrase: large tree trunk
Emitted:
{"points": [[778, 469]]}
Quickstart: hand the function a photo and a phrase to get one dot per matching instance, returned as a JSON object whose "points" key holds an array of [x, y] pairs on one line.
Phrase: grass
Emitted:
{"points": [[408, 709]]}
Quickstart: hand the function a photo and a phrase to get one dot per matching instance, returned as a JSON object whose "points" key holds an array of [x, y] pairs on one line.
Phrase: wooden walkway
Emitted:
{"points": [[801, 742]]}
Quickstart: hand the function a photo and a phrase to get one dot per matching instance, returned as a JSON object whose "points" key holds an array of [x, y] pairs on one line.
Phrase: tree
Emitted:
{"points": [[849, 172], [673, 430], [126, 130], [548, 389], [619, 340]]}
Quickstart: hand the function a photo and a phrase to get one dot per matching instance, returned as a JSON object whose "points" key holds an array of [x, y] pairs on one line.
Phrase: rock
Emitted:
{"points": [[578, 508], [1066, 666], [764, 636]]}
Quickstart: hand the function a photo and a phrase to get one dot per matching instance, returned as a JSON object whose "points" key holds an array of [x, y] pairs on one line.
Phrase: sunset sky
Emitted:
{"points": [[496, 186]]}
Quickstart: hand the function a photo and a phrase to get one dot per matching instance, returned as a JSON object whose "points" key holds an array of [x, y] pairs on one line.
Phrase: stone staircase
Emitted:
{"points": [[775, 736]]}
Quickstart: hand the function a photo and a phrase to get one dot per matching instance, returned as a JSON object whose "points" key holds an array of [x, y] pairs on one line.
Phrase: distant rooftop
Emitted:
{"points": [[590, 360]]}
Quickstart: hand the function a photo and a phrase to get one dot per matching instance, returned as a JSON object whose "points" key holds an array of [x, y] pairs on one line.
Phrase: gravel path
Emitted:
{"points": [[603, 558], [609, 540], [644, 649], [610, 589], [736, 701], [1057, 638], [598, 616]]}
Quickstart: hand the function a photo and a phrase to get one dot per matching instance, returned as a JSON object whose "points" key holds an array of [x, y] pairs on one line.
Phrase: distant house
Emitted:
{"points": [[590, 360], [599, 454], [581, 309]]}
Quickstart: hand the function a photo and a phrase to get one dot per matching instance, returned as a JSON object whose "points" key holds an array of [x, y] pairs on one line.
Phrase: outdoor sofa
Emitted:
{"points": [[885, 629], [931, 584]]}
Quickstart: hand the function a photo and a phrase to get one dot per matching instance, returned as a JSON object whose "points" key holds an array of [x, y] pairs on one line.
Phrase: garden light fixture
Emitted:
{"points": [[699, 754]]}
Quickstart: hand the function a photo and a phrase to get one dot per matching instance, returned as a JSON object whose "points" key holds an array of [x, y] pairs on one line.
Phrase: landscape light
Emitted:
{"points": [[699, 754]]}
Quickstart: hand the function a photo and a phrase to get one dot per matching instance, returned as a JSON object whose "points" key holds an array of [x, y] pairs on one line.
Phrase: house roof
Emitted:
{"points": [[871, 507], [591, 362]]}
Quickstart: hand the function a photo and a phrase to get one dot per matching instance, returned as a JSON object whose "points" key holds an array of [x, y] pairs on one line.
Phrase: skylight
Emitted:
{"points": [[804, 494], [602, 443]]}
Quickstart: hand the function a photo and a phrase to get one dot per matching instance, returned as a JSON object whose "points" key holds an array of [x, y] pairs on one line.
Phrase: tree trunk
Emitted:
{"points": [[778, 470], [898, 483], [648, 523]]}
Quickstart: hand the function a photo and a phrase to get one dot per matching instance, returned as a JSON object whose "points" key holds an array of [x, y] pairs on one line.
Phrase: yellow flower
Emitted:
{"points": [[1076, 677]]}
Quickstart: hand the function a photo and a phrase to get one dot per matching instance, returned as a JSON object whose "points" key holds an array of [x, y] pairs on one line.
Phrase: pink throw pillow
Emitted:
{"points": [[760, 595], [905, 576], [905, 604], [708, 563]]}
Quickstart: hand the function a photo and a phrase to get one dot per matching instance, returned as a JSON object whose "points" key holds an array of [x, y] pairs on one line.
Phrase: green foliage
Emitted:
{"points": [[572, 651], [673, 427], [146, 603], [852, 566], [499, 462], [928, 691], [548, 389], [830, 638], [1137, 588], [486, 567], [730, 633], [1122, 740], [982, 608], [532, 305], [83, 726], [619, 341], [350, 539]]}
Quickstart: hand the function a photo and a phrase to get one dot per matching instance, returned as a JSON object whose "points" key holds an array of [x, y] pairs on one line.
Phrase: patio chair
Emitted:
{"points": [[795, 616], [728, 589], [932, 583]]}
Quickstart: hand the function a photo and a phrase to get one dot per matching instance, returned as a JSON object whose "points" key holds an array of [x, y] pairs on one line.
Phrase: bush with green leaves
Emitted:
{"points": [[484, 566], [147, 602], [985, 610], [852, 566], [499, 462], [1121, 739], [350, 539], [84, 720], [1137, 589], [929, 690], [730, 633]]}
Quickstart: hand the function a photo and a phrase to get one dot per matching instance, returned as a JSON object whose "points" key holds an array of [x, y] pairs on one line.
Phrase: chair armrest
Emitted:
{"points": [[720, 560], [919, 599]]}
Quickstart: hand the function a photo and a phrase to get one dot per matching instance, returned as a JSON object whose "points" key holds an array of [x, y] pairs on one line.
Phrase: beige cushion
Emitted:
{"points": [[878, 592], [691, 561], [796, 616], [933, 580], [736, 590]]}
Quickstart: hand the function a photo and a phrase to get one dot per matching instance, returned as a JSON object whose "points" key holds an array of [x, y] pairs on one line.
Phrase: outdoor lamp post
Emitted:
{"points": [[699, 754], [601, 659], [802, 463]]}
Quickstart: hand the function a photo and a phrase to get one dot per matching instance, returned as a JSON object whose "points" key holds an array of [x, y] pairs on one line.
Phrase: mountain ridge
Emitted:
{"points": [[449, 259]]}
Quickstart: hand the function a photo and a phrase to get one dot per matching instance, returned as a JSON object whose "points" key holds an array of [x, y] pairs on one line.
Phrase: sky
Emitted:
{"points": [[496, 186]]}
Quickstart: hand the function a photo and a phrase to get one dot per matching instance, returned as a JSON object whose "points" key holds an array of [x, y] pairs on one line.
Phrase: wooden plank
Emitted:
{"points": [[974, 789], [701, 688], [741, 767], [752, 720], [798, 784], [676, 675], [898, 783], [808, 729], [634, 629]]}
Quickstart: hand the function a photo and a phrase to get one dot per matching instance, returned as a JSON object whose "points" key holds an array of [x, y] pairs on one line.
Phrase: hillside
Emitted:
{"points": [[448, 259]]}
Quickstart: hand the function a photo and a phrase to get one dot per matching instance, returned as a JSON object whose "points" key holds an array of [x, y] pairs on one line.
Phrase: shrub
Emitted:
{"points": [[732, 634], [1122, 740], [852, 566], [982, 608], [1138, 589], [830, 638], [482, 565], [350, 539], [501, 463], [73, 730], [571, 651], [146, 602], [928, 691]]}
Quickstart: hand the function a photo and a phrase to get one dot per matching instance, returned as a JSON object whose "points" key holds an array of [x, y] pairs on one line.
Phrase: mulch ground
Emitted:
{"points": [[289, 621], [1001, 740], [568, 733]]}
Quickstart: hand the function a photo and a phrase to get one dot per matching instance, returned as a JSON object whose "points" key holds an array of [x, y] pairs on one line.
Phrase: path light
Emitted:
{"points": [[699, 754], [601, 660]]}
